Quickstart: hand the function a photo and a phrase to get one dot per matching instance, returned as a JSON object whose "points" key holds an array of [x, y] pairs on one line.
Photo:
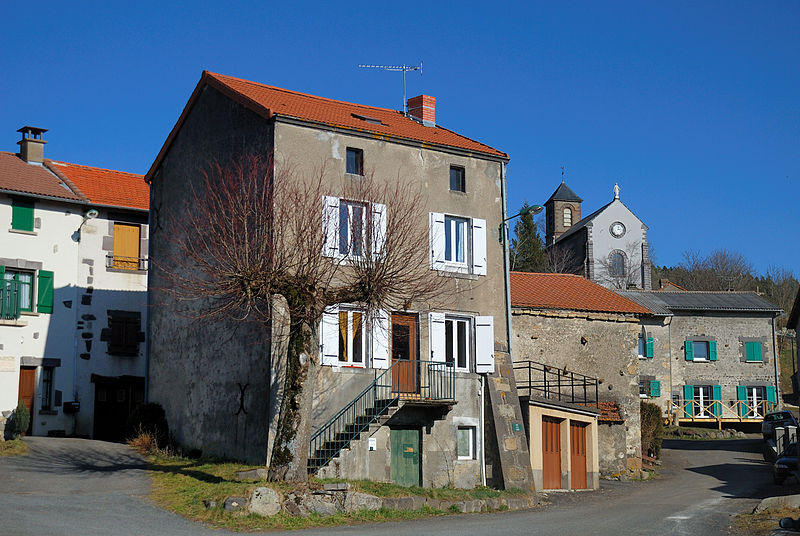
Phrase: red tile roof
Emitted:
{"points": [[567, 292], [383, 123], [105, 186], [17, 175]]}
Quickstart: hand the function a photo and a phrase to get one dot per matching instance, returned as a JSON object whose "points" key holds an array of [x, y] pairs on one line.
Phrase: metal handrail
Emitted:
{"points": [[551, 382], [9, 300], [404, 379], [120, 262]]}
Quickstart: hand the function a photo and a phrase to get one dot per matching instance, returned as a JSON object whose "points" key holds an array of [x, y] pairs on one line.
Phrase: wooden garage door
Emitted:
{"points": [[577, 452], [551, 453]]}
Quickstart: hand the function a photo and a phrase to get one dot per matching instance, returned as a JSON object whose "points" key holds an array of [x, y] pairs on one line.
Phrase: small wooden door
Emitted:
{"points": [[27, 391], [126, 246], [577, 452], [551, 453], [405, 375], [405, 462]]}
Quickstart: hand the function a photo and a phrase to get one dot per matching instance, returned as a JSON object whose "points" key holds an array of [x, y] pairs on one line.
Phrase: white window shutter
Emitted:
{"points": [[329, 353], [484, 344], [478, 246], [380, 340], [378, 229], [330, 226], [436, 336], [437, 241]]}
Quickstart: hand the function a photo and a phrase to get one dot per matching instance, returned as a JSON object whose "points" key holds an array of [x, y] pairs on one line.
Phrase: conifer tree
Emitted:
{"points": [[526, 251]]}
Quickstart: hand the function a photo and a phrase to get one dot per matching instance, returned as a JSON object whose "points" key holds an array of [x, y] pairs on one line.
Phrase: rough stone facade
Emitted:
{"points": [[598, 345]]}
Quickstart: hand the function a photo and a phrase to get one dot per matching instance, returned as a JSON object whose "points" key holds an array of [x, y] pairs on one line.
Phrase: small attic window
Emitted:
{"points": [[368, 119]]}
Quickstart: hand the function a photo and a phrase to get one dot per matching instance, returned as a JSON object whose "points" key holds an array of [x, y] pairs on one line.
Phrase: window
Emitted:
{"points": [[457, 342], [753, 351], [649, 387], [351, 337], [703, 398], [455, 242], [617, 264], [22, 215], [567, 217], [18, 290], [355, 161], [126, 247], [466, 443], [644, 388], [755, 399], [352, 228], [458, 181], [123, 333], [47, 388], [458, 244], [700, 350], [645, 346]]}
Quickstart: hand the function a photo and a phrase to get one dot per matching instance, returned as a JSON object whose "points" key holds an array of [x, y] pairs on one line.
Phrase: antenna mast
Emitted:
{"points": [[403, 68]]}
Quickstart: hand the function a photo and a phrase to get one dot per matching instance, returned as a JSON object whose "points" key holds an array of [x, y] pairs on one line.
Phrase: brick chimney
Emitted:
{"points": [[31, 146], [423, 109]]}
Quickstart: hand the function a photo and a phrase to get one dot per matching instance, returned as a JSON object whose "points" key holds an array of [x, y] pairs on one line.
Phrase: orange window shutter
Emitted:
{"points": [[126, 246]]}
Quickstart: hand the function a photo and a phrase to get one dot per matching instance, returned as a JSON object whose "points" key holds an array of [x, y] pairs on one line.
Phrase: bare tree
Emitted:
{"points": [[621, 269], [257, 229]]}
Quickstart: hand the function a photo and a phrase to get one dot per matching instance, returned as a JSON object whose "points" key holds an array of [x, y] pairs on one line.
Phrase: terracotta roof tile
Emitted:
{"points": [[106, 186], [610, 412], [567, 292], [17, 175]]}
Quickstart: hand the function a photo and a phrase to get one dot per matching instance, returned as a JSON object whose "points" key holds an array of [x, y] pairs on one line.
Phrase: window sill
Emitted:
{"points": [[458, 192], [20, 231], [465, 460], [13, 322], [354, 176], [29, 313], [123, 271], [458, 275]]}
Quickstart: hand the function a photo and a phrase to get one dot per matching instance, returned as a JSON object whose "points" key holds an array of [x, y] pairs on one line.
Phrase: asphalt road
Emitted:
{"points": [[72, 486]]}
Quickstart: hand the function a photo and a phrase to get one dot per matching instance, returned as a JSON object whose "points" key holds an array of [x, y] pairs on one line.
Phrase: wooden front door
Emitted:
{"points": [[551, 453], [405, 463], [577, 452], [405, 374], [27, 391]]}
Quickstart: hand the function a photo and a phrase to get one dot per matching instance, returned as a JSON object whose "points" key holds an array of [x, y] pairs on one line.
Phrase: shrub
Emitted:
{"points": [[22, 419], [652, 429], [148, 419]]}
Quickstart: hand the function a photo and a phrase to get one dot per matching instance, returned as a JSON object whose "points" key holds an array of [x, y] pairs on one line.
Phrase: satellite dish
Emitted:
{"points": [[92, 214]]}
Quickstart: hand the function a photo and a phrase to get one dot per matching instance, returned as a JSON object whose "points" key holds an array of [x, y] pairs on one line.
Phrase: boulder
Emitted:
{"points": [[414, 502], [323, 504], [232, 504], [775, 503], [468, 507], [493, 503], [265, 502], [439, 504], [356, 501], [516, 504]]}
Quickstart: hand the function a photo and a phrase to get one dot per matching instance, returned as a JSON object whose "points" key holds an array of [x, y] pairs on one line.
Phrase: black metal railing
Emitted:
{"points": [[119, 262], [9, 300], [410, 380], [552, 383]]}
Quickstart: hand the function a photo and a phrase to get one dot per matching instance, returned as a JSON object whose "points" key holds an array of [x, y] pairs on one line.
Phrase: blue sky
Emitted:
{"points": [[692, 107]]}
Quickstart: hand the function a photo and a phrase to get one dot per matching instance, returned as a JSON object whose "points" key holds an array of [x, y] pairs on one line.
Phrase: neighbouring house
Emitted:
{"points": [[74, 292], [220, 385], [577, 371], [707, 356], [794, 323], [609, 246]]}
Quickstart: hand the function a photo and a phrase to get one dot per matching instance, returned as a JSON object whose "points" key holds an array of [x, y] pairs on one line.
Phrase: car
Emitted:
{"points": [[775, 419], [785, 465]]}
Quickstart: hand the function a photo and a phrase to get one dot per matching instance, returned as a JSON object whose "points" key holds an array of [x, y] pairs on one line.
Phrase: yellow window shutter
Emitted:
{"points": [[126, 246]]}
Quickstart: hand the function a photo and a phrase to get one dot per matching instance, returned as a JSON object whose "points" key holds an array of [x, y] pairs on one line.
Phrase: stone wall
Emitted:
{"points": [[656, 368], [597, 345]]}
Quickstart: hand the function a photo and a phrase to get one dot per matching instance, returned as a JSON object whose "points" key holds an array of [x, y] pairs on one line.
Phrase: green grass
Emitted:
{"points": [[180, 485], [14, 447]]}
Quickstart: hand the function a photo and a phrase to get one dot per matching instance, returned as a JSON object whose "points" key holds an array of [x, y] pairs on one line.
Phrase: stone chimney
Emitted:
{"points": [[423, 109], [31, 146]]}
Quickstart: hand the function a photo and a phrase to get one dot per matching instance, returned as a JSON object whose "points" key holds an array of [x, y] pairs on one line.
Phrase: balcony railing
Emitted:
{"points": [[538, 380], [134, 264], [716, 410], [9, 300]]}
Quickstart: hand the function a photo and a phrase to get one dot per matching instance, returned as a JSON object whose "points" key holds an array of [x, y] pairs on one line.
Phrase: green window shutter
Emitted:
{"points": [[741, 397], [753, 351], [716, 396], [655, 388], [688, 398], [21, 215], [689, 353], [712, 350], [45, 294], [649, 347], [771, 398]]}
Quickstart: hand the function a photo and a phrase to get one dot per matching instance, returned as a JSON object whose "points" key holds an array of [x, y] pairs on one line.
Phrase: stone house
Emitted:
{"points": [[794, 323], [575, 347], [707, 355], [430, 440], [73, 296], [609, 246]]}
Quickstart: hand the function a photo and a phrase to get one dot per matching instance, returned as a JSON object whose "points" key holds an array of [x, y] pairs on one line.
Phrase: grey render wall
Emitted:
{"points": [[630, 243], [212, 378], [609, 354]]}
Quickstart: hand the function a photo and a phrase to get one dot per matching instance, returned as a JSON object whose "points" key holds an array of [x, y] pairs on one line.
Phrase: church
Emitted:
{"points": [[608, 247]]}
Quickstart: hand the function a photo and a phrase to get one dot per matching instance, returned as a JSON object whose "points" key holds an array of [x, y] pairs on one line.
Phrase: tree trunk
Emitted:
{"points": [[289, 460]]}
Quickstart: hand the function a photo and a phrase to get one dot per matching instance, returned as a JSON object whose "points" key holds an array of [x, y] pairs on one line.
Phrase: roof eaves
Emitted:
{"points": [[78, 201]]}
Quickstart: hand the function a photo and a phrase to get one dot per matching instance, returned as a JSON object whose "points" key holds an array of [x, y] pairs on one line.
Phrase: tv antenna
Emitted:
{"points": [[404, 69]]}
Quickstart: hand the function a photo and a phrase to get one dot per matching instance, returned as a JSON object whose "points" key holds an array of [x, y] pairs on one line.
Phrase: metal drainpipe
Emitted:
{"points": [[778, 398]]}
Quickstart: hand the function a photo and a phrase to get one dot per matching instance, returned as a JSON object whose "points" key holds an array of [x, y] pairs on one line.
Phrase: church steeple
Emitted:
{"points": [[563, 211]]}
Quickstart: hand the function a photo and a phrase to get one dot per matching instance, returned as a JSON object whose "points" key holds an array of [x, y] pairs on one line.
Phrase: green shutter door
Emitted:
{"points": [[753, 351], [45, 294], [716, 396], [771, 398], [21, 215], [688, 399], [655, 388], [649, 347], [688, 346], [741, 397], [712, 350], [404, 465]]}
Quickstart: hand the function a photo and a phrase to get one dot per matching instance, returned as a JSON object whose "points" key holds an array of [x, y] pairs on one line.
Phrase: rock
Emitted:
{"points": [[515, 504], [265, 502], [439, 504], [356, 501], [414, 502], [323, 504], [252, 474], [232, 504], [493, 503], [209, 504], [468, 507], [775, 503]]}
